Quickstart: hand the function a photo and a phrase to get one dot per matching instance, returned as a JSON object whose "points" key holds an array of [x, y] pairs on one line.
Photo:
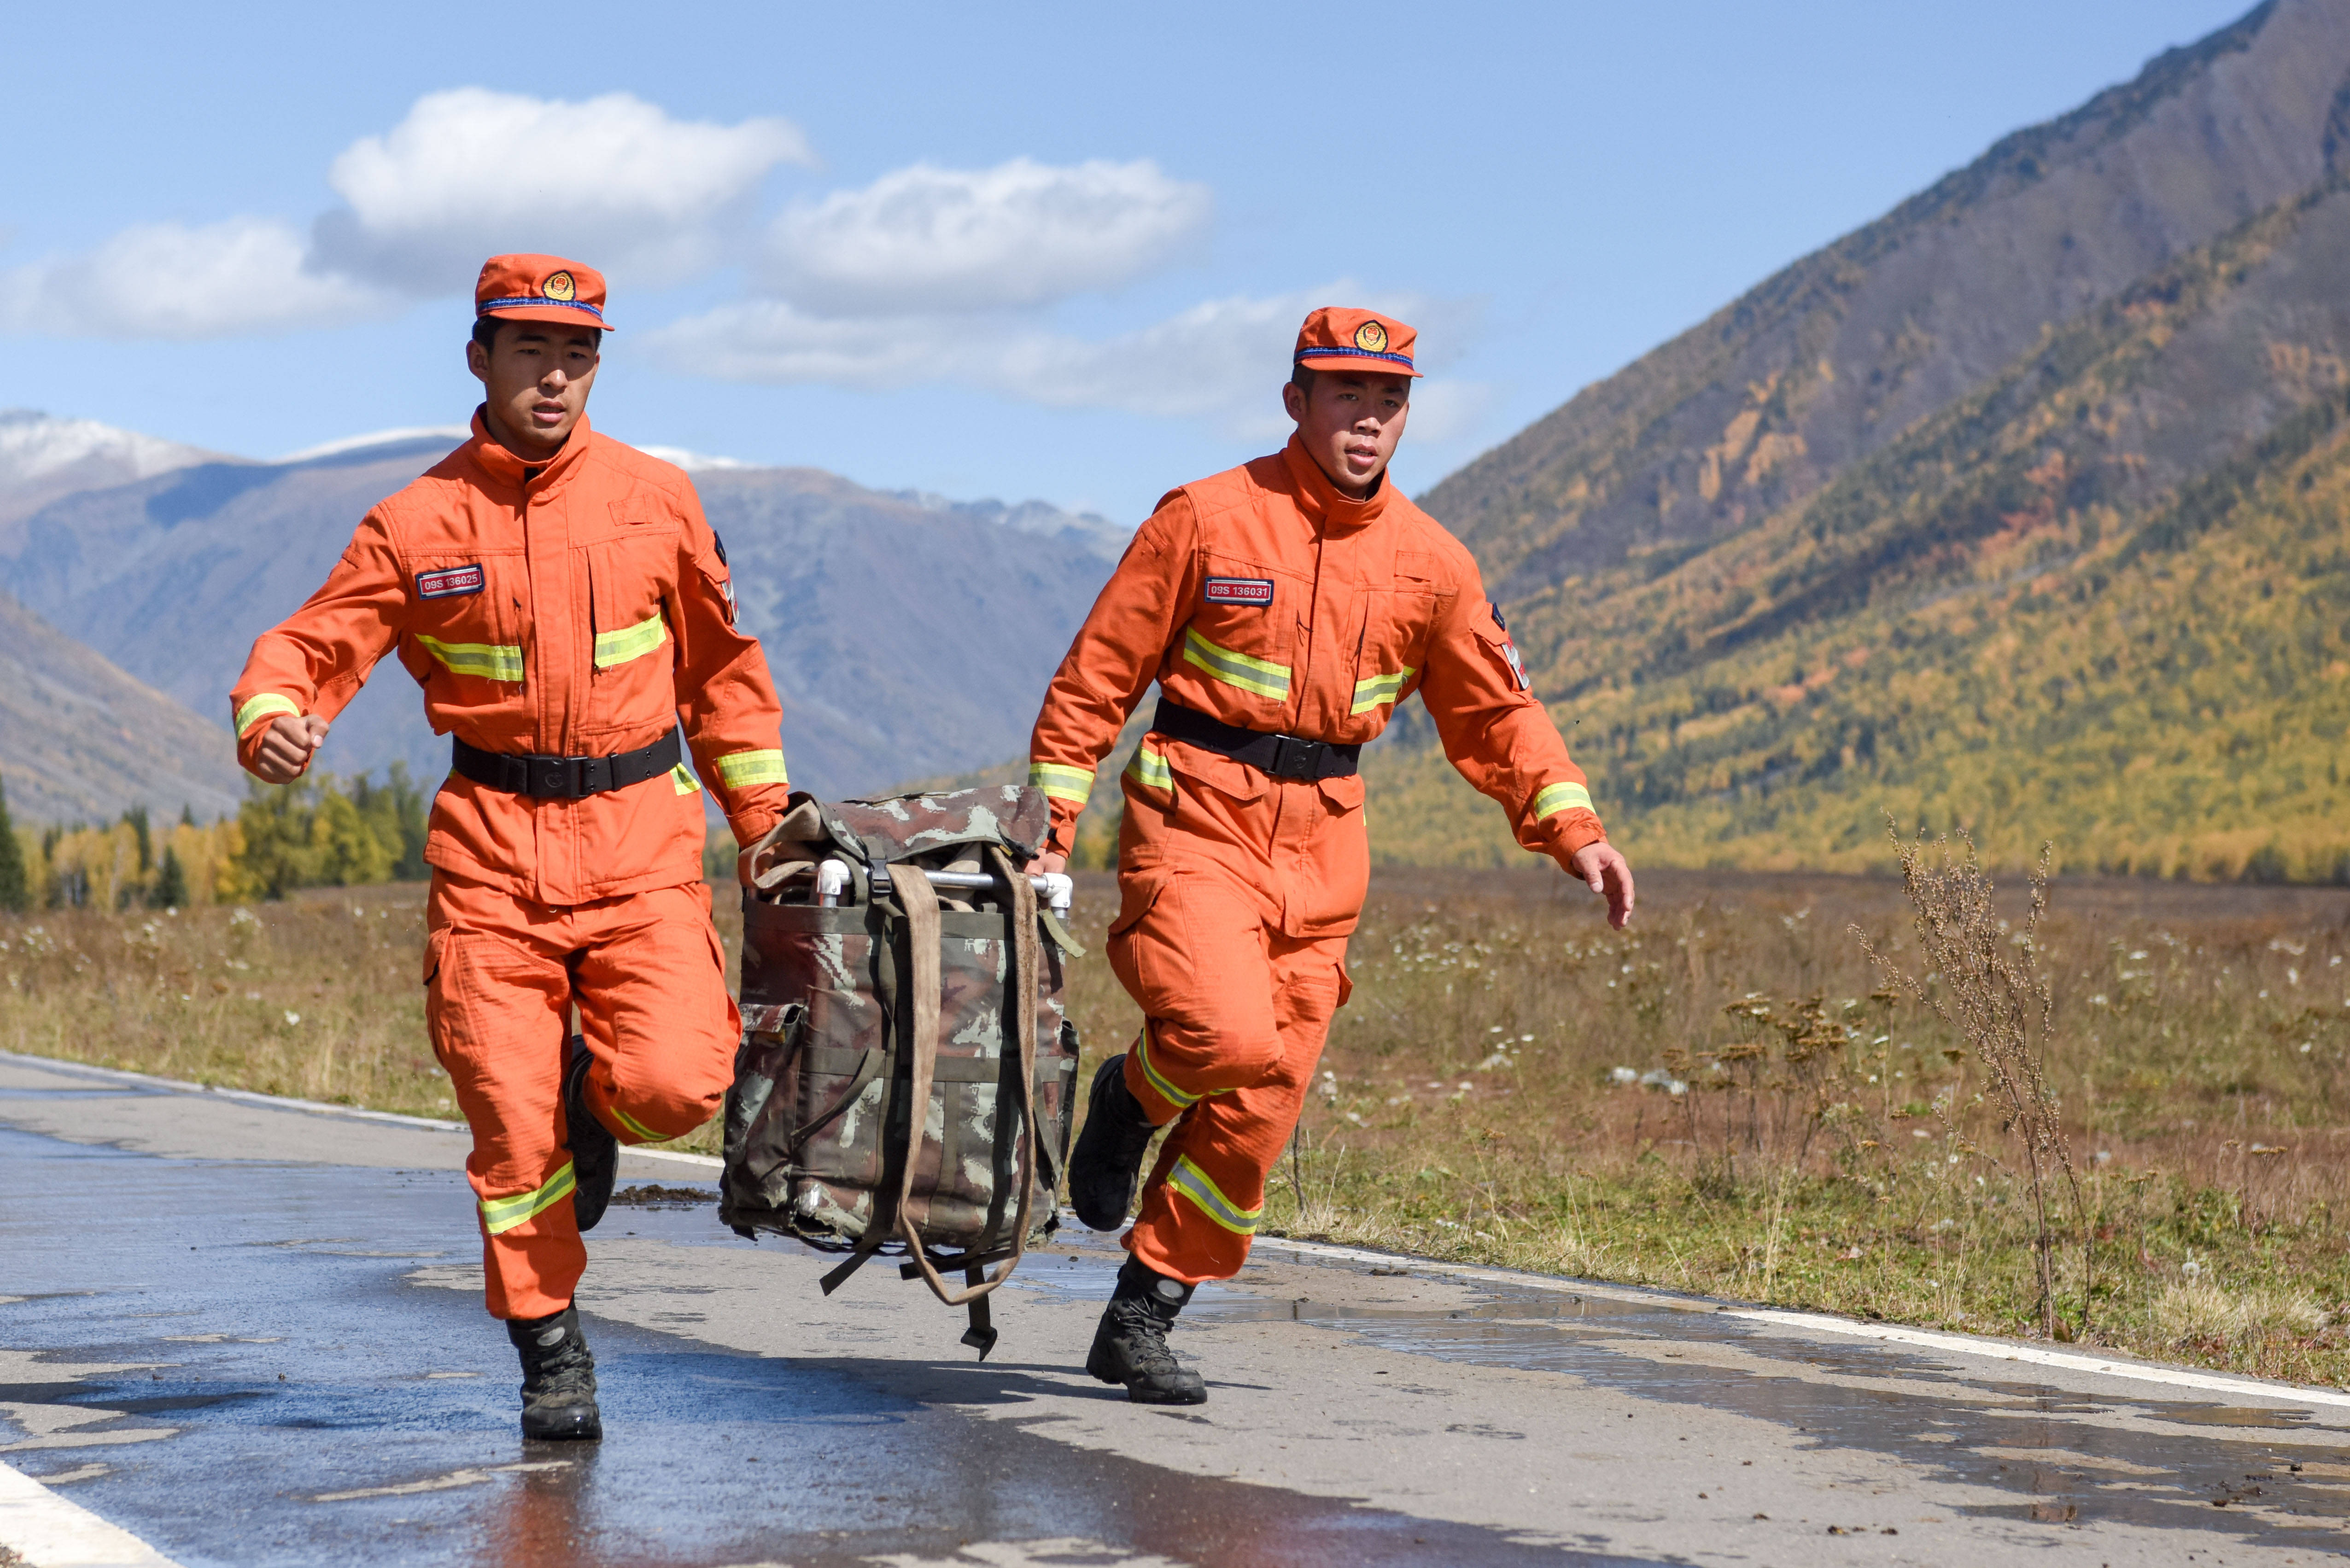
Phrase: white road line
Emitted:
{"points": [[311, 1107], [49, 1532], [1977, 1346], [2039, 1355]]}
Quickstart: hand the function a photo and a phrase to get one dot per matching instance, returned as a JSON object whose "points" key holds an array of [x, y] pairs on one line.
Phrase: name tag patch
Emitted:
{"points": [[450, 582], [1240, 590]]}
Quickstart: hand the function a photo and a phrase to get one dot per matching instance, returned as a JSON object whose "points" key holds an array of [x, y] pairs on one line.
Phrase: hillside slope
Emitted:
{"points": [[81, 741], [1839, 354], [2102, 599], [908, 636], [43, 458]]}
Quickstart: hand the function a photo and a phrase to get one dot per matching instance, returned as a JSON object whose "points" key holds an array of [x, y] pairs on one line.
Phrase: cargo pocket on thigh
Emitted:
{"points": [[1136, 895], [436, 956], [725, 990]]}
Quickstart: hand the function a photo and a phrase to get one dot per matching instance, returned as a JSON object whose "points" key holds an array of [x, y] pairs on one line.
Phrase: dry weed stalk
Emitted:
{"points": [[1988, 984]]}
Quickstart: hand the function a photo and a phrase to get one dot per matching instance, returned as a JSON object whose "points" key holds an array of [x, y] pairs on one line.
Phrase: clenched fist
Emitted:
{"points": [[287, 746]]}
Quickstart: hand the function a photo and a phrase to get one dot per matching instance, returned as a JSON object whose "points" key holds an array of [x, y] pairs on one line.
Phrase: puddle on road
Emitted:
{"points": [[324, 1410], [390, 1387], [2108, 1456], [2113, 1456]]}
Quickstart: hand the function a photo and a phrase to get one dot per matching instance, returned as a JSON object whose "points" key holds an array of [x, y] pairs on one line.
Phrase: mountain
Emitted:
{"points": [[908, 636], [81, 741], [2022, 509], [43, 458], [1839, 354]]}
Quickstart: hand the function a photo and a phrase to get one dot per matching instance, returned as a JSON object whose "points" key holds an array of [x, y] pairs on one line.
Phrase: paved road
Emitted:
{"points": [[252, 1335]]}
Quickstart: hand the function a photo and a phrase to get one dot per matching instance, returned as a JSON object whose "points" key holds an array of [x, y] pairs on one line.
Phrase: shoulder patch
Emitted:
{"points": [[1256, 591], [719, 544], [1494, 605], [450, 582]]}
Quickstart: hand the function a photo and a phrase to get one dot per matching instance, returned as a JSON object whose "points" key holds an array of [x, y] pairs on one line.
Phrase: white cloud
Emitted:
{"points": [[232, 278], [924, 239], [466, 174], [613, 181], [769, 341], [1223, 360]]}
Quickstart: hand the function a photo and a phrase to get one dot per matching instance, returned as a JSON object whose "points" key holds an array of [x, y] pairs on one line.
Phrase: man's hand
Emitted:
{"points": [[286, 747], [1048, 865], [1610, 876], [743, 869]]}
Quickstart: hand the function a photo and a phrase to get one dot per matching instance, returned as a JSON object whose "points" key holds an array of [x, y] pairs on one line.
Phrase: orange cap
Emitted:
{"points": [[540, 288], [1333, 339]]}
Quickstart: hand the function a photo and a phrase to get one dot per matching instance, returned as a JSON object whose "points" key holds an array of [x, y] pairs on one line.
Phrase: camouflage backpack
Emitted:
{"points": [[870, 995]]}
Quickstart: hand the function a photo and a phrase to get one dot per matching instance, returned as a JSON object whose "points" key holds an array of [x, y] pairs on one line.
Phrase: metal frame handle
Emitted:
{"points": [[1055, 890]]}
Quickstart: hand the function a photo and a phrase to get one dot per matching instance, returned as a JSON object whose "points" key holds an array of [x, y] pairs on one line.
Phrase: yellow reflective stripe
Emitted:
{"points": [[1252, 675], [1380, 689], [683, 782], [262, 707], [741, 768], [643, 1134], [1560, 798], [1173, 1096], [1062, 782], [1150, 768], [500, 1215], [490, 660], [1192, 1182], [620, 647]]}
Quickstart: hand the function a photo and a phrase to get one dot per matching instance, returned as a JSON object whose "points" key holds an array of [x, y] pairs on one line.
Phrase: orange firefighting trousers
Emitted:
{"points": [[502, 975], [1234, 1016]]}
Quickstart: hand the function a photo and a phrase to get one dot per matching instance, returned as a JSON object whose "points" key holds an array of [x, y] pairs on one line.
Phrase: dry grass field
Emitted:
{"points": [[1721, 1099]]}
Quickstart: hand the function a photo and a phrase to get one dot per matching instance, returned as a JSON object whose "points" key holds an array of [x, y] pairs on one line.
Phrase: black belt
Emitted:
{"points": [[1283, 756], [565, 778]]}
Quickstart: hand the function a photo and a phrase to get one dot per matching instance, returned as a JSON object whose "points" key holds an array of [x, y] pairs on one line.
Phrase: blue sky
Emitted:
{"points": [[1046, 251]]}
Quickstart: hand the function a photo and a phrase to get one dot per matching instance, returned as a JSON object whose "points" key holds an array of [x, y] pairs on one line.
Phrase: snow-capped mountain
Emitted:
{"points": [[43, 457]]}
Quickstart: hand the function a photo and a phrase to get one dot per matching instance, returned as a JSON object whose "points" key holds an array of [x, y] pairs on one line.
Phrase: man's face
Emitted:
{"points": [[1351, 424], [537, 375]]}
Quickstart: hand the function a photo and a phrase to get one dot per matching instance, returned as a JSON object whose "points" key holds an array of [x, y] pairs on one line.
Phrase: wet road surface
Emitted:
{"points": [[283, 1361]]}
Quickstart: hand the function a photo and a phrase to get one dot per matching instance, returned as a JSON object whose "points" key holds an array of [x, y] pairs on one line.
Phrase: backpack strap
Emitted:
{"points": [[921, 902]]}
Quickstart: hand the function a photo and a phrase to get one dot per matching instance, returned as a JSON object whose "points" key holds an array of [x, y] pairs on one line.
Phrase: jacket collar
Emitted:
{"points": [[1320, 499], [503, 466]]}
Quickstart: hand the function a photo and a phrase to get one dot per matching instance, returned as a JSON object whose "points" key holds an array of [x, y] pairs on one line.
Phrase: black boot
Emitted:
{"points": [[558, 1378], [1108, 1157], [595, 1152], [1130, 1345]]}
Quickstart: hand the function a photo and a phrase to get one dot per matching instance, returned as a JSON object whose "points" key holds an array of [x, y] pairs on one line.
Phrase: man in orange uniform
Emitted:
{"points": [[566, 608], [1284, 608]]}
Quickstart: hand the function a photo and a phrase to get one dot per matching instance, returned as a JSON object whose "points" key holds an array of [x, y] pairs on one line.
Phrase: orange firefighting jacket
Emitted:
{"points": [[584, 610], [1264, 597]]}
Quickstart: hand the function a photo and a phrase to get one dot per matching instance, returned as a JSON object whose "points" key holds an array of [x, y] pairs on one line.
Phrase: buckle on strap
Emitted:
{"points": [[1296, 757]]}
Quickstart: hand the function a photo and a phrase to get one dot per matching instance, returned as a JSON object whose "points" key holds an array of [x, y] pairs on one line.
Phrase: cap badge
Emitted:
{"points": [[560, 285], [1371, 337]]}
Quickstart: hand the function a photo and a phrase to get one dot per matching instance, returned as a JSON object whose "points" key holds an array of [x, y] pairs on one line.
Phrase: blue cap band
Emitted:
{"points": [[538, 299], [1305, 354]]}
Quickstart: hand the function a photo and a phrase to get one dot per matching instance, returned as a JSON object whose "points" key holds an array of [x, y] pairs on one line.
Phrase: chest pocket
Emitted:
{"points": [[630, 576], [1244, 628], [468, 614], [1392, 649]]}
